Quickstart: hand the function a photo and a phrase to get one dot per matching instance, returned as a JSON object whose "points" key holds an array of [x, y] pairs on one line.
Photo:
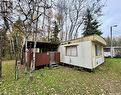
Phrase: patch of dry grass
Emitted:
{"points": [[64, 81]]}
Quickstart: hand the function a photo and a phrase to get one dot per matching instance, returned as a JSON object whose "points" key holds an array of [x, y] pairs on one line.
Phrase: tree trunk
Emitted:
{"points": [[26, 57], [34, 52], [16, 68], [0, 68], [35, 41], [1, 44], [10, 49], [16, 57], [0, 64], [21, 51]]}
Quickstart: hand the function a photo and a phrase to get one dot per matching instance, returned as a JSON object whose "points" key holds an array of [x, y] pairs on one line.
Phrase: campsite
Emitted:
{"points": [[60, 47]]}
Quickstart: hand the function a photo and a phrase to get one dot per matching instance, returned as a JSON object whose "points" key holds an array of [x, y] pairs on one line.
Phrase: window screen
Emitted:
{"points": [[71, 50], [98, 50]]}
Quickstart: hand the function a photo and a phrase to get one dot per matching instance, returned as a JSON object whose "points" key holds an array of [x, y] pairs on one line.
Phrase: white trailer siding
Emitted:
{"points": [[83, 57], [97, 60], [86, 52]]}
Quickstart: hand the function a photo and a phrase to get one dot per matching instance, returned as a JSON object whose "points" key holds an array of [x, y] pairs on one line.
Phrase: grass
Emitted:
{"points": [[106, 80]]}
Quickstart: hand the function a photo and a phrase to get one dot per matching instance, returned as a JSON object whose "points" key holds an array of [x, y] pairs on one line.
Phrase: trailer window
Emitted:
{"points": [[106, 49], [71, 50], [98, 50]]}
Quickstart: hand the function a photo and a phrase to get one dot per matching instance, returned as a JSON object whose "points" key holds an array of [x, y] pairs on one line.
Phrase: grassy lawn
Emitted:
{"points": [[106, 80]]}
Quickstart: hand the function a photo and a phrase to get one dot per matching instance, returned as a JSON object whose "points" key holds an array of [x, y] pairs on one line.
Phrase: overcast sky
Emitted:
{"points": [[112, 16]]}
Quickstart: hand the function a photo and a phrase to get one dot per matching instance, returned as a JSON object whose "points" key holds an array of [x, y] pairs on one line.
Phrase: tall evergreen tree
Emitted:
{"points": [[91, 25], [55, 33]]}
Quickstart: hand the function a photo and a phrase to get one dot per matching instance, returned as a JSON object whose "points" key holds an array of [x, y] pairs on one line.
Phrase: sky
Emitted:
{"points": [[111, 16]]}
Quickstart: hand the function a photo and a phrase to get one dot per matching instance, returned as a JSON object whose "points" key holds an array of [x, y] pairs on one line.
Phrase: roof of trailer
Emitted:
{"points": [[93, 38]]}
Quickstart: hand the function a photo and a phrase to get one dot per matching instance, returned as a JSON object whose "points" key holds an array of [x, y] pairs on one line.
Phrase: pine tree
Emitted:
{"points": [[91, 25], [55, 33]]}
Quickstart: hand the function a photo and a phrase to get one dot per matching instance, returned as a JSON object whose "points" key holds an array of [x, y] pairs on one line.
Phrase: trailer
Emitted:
{"points": [[86, 52], [116, 51]]}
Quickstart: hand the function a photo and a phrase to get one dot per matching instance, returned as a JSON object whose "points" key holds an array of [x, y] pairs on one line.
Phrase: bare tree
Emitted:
{"points": [[61, 14], [72, 12], [32, 11]]}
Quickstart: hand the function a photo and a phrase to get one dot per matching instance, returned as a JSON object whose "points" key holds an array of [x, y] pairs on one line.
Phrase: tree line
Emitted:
{"points": [[116, 41]]}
